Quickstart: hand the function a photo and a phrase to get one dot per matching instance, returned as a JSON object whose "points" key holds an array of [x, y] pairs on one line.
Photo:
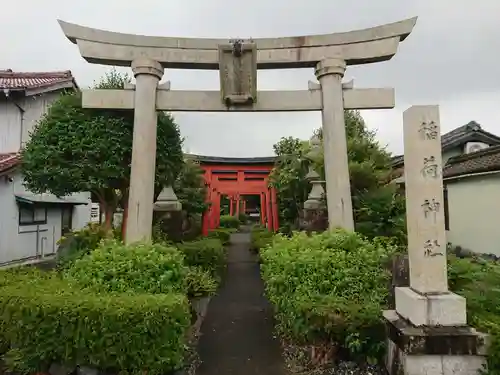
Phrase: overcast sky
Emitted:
{"points": [[452, 58]]}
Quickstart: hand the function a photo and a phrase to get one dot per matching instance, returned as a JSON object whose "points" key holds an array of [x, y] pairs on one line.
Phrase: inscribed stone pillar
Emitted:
{"points": [[338, 188], [427, 301], [142, 174]]}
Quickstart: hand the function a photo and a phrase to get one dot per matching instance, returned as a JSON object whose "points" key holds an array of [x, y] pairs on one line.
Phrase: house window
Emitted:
{"points": [[32, 214], [66, 219], [446, 209]]}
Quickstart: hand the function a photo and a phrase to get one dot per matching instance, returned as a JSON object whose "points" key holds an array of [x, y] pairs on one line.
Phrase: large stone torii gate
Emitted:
{"points": [[238, 61]]}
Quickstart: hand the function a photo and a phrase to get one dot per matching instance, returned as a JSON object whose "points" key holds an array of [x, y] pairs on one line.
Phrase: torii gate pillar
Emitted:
{"points": [[147, 73], [338, 187]]}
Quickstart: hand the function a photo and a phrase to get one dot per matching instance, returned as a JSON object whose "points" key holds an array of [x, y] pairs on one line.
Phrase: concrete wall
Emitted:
{"points": [[474, 211], [27, 242], [16, 124]]}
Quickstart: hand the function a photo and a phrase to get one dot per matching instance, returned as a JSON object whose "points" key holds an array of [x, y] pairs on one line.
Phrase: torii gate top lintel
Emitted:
{"points": [[355, 47]]}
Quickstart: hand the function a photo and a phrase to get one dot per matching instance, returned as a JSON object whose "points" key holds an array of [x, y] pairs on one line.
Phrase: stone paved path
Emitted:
{"points": [[237, 334]]}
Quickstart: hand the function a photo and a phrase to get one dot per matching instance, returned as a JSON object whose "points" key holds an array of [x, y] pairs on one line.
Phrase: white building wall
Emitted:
{"points": [[474, 211], [17, 121], [10, 127], [25, 242]]}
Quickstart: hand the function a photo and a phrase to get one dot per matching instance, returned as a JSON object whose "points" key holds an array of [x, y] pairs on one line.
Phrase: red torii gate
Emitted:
{"points": [[235, 178]]}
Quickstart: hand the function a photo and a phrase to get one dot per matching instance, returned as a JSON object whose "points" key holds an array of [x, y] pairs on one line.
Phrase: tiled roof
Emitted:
{"points": [[485, 160], [8, 161], [26, 81], [231, 160], [471, 132], [465, 133]]}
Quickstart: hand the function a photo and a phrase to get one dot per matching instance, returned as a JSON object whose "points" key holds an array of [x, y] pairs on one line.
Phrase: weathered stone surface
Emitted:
{"points": [[314, 219], [446, 309], [338, 186], [238, 74], [434, 340], [424, 200], [200, 306], [433, 350], [356, 47], [400, 276], [142, 171], [269, 101]]}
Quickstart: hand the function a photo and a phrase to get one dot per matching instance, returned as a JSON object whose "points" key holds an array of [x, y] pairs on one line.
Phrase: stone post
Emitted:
{"points": [[142, 174], [427, 301], [428, 332], [338, 188]]}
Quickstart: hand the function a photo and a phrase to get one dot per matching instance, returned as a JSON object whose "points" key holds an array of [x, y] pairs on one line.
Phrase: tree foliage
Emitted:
{"points": [[378, 208], [190, 189], [74, 149], [288, 177]]}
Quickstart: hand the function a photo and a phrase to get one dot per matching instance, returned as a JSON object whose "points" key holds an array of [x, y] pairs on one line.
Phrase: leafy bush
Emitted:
{"points": [[79, 243], [139, 267], [207, 253], [229, 221], [223, 234], [26, 276], [477, 280], [329, 288], [260, 237], [200, 282], [53, 321], [243, 218]]}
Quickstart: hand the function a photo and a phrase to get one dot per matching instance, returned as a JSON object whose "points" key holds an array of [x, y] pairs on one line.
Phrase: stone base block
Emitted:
{"points": [[447, 310], [433, 350]]}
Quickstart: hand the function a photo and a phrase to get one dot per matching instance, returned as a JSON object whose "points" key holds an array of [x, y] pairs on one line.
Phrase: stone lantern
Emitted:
{"points": [[317, 193], [314, 215], [169, 211], [167, 202]]}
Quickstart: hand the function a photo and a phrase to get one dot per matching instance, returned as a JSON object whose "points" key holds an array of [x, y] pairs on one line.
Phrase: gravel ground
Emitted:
{"points": [[297, 362]]}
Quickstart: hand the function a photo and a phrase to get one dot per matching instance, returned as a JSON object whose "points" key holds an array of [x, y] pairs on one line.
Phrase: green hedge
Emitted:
{"points": [[207, 253], [332, 288], [79, 243], [260, 237], [223, 234], [328, 288], [243, 218], [139, 267], [229, 221], [200, 282], [54, 322]]}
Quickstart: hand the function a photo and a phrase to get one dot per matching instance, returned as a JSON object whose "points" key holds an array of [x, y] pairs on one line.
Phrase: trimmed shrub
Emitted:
{"points": [[223, 234], [200, 282], [139, 267], [54, 322], [25, 276], [260, 237], [243, 218], [229, 221], [329, 288], [79, 243], [207, 253]]}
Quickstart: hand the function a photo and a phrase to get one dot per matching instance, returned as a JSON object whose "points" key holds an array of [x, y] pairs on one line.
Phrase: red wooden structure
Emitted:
{"points": [[237, 178]]}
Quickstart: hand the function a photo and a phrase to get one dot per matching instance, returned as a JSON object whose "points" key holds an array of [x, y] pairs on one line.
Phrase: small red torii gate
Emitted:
{"points": [[235, 178]]}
